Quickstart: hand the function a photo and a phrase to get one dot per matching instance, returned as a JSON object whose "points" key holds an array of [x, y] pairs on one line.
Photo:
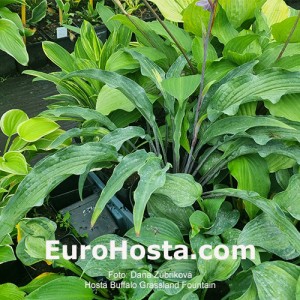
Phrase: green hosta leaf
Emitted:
{"points": [[7, 14], [226, 218], [238, 11], [282, 30], [63, 288], [119, 136], [172, 9], [287, 107], [39, 281], [212, 206], [162, 206], [9, 291], [252, 174], [182, 189], [47, 174], [38, 12], [11, 41], [270, 208], [14, 163], [182, 87], [110, 99], [79, 113], [121, 62], [261, 232], [289, 200], [152, 177], [170, 269], [269, 85], [35, 128], [93, 267], [157, 231], [6, 254], [215, 269], [279, 162], [276, 280], [128, 166], [199, 221], [11, 120], [242, 49], [239, 124], [195, 19]]}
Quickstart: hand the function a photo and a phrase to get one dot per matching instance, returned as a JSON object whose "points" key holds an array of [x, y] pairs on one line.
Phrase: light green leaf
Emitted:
{"points": [[282, 30], [127, 166], [252, 174], [157, 231], [14, 163], [199, 221], [152, 177], [35, 128], [182, 87], [289, 200], [110, 99], [6, 254], [62, 289], [182, 189], [11, 120], [5, 13], [275, 11], [9, 291], [47, 174], [121, 62], [11, 41]]}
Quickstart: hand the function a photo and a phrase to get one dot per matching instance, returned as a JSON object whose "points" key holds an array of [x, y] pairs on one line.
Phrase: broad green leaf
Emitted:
{"points": [[199, 221], [242, 49], [39, 281], [127, 166], [121, 62], [79, 113], [270, 208], [198, 52], [268, 85], [6, 2], [212, 206], [170, 269], [110, 99], [252, 174], [226, 218], [63, 288], [95, 267], [9, 291], [119, 136], [14, 163], [287, 107], [47, 174], [162, 206], [282, 30], [172, 9], [182, 87], [278, 162], [157, 231], [239, 11], [275, 11], [261, 232], [152, 177], [215, 269], [6, 254], [5, 13], [35, 128], [11, 120], [195, 19], [289, 199], [182, 189], [11, 41], [276, 280], [239, 124], [38, 12]]}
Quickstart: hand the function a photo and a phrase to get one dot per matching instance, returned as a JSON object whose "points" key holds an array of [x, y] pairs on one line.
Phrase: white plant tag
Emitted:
{"points": [[61, 32]]}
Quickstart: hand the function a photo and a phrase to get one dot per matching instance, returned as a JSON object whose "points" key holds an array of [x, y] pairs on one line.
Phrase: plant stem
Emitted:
{"points": [[170, 34], [7, 144], [196, 126], [289, 37]]}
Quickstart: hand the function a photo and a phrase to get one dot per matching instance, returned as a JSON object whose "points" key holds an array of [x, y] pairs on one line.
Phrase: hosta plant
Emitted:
{"points": [[214, 159]]}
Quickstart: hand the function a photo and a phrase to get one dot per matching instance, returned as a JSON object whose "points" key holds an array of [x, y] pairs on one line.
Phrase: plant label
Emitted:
{"points": [[61, 32]]}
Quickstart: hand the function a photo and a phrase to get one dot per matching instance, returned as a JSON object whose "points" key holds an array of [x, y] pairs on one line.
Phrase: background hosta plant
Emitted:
{"points": [[215, 158]]}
